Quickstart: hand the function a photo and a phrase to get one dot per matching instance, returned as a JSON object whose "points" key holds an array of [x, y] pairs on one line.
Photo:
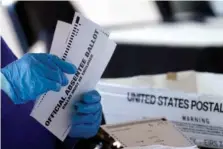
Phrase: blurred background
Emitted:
{"points": [[153, 36]]}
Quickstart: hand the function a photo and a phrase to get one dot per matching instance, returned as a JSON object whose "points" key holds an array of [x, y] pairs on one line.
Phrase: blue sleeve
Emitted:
{"points": [[6, 58], [6, 54]]}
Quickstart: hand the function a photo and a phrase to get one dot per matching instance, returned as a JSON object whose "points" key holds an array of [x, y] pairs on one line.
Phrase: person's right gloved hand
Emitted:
{"points": [[33, 75], [86, 119]]}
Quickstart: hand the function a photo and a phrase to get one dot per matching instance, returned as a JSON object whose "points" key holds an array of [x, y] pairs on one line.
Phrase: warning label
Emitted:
{"points": [[200, 129], [203, 130]]}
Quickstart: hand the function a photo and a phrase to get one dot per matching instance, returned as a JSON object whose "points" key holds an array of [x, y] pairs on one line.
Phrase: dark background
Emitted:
{"points": [[128, 60]]}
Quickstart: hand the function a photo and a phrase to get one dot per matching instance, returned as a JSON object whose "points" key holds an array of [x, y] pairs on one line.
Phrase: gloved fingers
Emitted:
{"points": [[85, 130], [87, 108], [65, 80], [55, 62], [49, 85], [86, 119], [91, 97], [53, 86], [50, 73], [45, 59], [51, 70], [64, 66], [58, 76]]}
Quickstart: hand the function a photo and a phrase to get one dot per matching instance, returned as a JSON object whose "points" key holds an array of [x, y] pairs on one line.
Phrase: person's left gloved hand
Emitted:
{"points": [[87, 118], [34, 74]]}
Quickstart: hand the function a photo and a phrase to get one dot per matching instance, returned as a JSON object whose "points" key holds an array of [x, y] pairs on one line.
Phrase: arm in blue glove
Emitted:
{"points": [[34, 74], [88, 115]]}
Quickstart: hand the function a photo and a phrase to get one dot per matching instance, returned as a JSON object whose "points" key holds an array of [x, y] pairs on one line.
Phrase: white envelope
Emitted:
{"points": [[88, 47]]}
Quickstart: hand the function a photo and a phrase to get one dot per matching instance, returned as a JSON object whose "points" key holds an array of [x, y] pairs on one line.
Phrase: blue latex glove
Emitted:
{"points": [[88, 114], [33, 75]]}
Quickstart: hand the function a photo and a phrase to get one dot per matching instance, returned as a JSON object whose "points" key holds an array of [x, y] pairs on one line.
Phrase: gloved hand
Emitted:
{"points": [[33, 75], [88, 115]]}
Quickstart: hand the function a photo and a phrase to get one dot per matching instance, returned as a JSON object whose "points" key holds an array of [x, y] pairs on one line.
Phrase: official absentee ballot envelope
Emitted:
{"points": [[88, 47]]}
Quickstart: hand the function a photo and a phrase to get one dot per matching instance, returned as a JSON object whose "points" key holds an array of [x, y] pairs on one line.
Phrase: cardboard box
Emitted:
{"points": [[147, 132], [192, 101]]}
